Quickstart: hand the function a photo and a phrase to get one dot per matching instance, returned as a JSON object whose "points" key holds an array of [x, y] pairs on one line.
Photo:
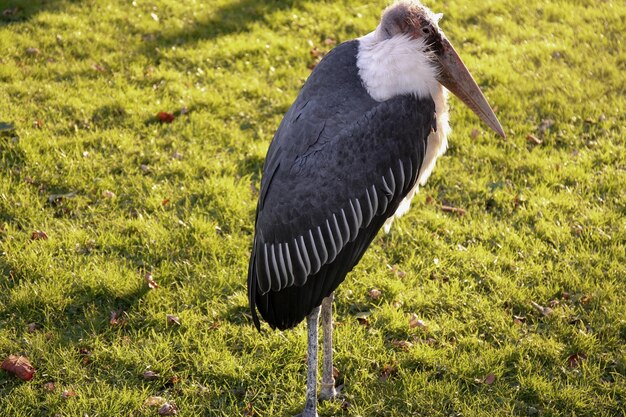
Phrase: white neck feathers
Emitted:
{"points": [[396, 66]]}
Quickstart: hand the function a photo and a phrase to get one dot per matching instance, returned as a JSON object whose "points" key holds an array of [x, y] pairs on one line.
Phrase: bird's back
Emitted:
{"points": [[337, 168]]}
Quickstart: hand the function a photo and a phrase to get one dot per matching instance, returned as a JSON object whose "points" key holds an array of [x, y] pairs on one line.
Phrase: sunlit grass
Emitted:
{"points": [[120, 195]]}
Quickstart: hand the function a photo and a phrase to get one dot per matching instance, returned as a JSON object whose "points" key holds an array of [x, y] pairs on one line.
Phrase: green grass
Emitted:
{"points": [[544, 223]]}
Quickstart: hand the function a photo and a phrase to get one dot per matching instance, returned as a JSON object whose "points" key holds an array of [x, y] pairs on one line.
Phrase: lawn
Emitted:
{"points": [[125, 236]]}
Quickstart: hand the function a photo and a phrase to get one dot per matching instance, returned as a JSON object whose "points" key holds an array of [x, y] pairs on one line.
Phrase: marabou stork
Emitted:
{"points": [[347, 158]]}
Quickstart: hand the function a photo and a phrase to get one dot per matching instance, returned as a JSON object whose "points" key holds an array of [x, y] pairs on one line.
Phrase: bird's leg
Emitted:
{"points": [[310, 407], [328, 391]]}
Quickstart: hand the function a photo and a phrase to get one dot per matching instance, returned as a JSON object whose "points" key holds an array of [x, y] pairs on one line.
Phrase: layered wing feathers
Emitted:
{"points": [[338, 167]]}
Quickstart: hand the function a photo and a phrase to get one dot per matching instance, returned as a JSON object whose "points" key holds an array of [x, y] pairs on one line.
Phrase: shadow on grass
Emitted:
{"points": [[15, 11], [236, 17]]}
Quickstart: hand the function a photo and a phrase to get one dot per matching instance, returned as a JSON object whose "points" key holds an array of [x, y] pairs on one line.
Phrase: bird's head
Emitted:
{"points": [[410, 20]]}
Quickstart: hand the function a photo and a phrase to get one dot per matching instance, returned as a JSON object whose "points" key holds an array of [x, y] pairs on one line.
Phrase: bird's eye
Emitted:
{"points": [[426, 30]]}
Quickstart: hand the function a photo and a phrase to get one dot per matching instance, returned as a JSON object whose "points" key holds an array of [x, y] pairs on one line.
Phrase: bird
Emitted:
{"points": [[347, 158]]}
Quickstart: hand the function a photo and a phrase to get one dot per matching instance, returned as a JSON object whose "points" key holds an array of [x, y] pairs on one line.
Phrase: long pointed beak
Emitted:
{"points": [[455, 77]]}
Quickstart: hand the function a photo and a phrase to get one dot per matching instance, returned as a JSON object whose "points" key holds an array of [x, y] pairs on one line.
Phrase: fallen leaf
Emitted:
{"points": [[117, 319], [39, 235], [387, 371], [414, 322], [168, 409], [38, 123], [165, 202], [154, 401], [10, 12], [165, 117], [32, 51], [450, 209], [150, 375], [362, 317], [49, 386], [248, 410], [489, 379], [20, 367], [68, 394], [330, 42], [177, 155], [402, 344], [99, 68], [108, 194], [565, 295], [518, 319], [533, 139], [585, 299], [574, 360], [374, 293], [151, 282], [336, 373], [316, 53], [173, 320], [32, 327], [85, 354], [474, 133], [545, 311]]}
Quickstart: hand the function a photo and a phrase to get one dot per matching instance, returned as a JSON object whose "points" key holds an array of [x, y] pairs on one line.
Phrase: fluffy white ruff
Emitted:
{"points": [[401, 65]]}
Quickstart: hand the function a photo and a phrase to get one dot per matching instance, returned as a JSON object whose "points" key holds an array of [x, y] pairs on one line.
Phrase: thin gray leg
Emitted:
{"points": [[328, 391], [310, 407]]}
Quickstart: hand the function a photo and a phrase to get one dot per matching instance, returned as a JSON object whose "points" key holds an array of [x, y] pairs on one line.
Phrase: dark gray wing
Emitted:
{"points": [[338, 167]]}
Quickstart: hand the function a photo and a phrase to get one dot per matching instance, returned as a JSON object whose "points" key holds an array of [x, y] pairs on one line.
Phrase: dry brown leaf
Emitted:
{"points": [[489, 379], [455, 210], [168, 409], [402, 344], [362, 317], [20, 367], [108, 194], [248, 410], [173, 320], [386, 372], [414, 322], [533, 139], [519, 319], [545, 311], [39, 235], [68, 393], [576, 359], [117, 318], [85, 354], [150, 280], [49, 386], [165, 117], [150, 375], [474, 133], [374, 293]]}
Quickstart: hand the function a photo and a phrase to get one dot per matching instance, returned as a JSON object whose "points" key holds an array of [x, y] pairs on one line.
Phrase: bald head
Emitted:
{"points": [[409, 18]]}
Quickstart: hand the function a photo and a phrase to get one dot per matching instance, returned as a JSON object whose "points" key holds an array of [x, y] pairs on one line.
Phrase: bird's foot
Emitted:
{"points": [[328, 392]]}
